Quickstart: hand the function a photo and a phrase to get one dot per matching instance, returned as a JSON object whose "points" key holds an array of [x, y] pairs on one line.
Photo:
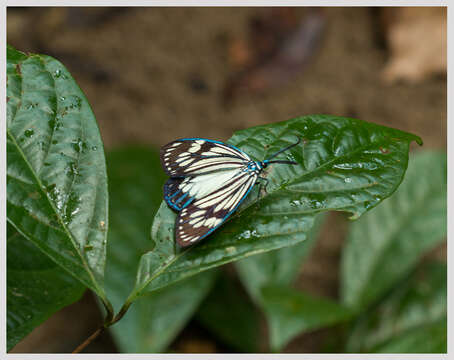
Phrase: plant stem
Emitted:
{"points": [[109, 310], [109, 321], [89, 340]]}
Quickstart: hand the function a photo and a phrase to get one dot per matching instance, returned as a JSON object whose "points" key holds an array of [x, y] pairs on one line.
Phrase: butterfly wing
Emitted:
{"points": [[207, 212], [186, 157]]}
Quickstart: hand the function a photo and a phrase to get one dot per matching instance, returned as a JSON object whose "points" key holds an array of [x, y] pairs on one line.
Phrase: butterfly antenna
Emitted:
{"points": [[281, 151]]}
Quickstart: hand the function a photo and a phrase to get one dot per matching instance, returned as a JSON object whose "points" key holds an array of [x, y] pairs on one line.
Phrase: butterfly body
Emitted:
{"points": [[208, 181]]}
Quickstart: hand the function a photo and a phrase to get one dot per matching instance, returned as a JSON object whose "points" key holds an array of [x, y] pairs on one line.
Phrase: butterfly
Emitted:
{"points": [[208, 180]]}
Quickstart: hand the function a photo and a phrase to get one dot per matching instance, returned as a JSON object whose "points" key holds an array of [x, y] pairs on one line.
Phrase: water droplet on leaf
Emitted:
{"points": [[29, 133]]}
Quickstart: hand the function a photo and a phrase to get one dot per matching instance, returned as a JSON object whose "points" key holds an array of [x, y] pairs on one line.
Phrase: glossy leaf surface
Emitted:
{"points": [[278, 267], [56, 173], [36, 287], [343, 164], [384, 245]]}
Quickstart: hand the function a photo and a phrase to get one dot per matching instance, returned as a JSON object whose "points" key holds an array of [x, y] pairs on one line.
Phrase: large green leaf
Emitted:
{"points": [[36, 287], [153, 321], [278, 267], [56, 173], [228, 313], [135, 181], [291, 312], [344, 164], [411, 319], [429, 338], [384, 245]]}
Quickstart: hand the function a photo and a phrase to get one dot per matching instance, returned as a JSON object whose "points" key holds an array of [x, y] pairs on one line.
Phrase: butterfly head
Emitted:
{"points": [[265, 163]]}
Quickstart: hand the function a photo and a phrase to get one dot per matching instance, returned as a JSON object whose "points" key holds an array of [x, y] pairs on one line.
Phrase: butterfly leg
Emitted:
{"points": [[266, 182], [259, 181]]}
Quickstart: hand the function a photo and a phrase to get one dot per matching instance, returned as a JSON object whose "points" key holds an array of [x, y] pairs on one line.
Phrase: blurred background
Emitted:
{"points": [[153, 75]]}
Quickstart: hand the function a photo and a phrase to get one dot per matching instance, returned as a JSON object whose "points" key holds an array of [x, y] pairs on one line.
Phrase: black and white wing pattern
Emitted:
{"points": [[208, 182], [197, 156]]}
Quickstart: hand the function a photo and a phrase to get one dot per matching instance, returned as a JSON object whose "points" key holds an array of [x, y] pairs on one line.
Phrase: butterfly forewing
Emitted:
{"points": [[198, 156]]}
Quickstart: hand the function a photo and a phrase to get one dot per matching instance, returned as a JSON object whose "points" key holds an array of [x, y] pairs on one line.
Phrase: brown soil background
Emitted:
{"points": [[156, 74]]}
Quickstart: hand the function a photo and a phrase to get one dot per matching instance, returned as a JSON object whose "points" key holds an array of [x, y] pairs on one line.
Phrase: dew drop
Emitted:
{"points": [[295, 203], [245, 235], [29, 133], [77, 104], [94, 148], [348, 180], [78, 145], [62, 98], [72, 169], [57, 73]]}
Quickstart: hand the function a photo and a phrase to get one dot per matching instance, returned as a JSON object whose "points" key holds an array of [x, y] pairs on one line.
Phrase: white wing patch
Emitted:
{"points": [[212, 208]]}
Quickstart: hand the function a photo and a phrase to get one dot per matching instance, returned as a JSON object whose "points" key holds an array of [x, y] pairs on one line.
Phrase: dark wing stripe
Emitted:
{"points": [[192, 157]]}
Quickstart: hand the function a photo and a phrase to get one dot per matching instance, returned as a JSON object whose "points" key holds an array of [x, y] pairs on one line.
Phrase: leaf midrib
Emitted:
{"points": [[60, 220]]}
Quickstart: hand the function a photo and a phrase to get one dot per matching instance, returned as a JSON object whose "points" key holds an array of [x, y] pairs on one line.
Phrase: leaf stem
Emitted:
{"points": [[109, 310], [120, 314], [109, 321], [89, 340]]}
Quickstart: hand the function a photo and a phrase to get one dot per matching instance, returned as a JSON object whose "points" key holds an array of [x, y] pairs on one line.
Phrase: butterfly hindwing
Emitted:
{"points": [[206, 213], [174, 196], [198, 156]]}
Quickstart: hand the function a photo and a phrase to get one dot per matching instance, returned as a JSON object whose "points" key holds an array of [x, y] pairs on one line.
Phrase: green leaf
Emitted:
{"points": [[153, 321], [291, 312], [429, 338], [229, 314], [36, 287], [135, 180], [56, 173], [411, 319], [385, 245], [278, 267], [344, 164]]}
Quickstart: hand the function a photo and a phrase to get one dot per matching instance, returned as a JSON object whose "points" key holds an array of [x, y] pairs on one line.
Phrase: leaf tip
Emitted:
{"points": [[419, 140]]}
